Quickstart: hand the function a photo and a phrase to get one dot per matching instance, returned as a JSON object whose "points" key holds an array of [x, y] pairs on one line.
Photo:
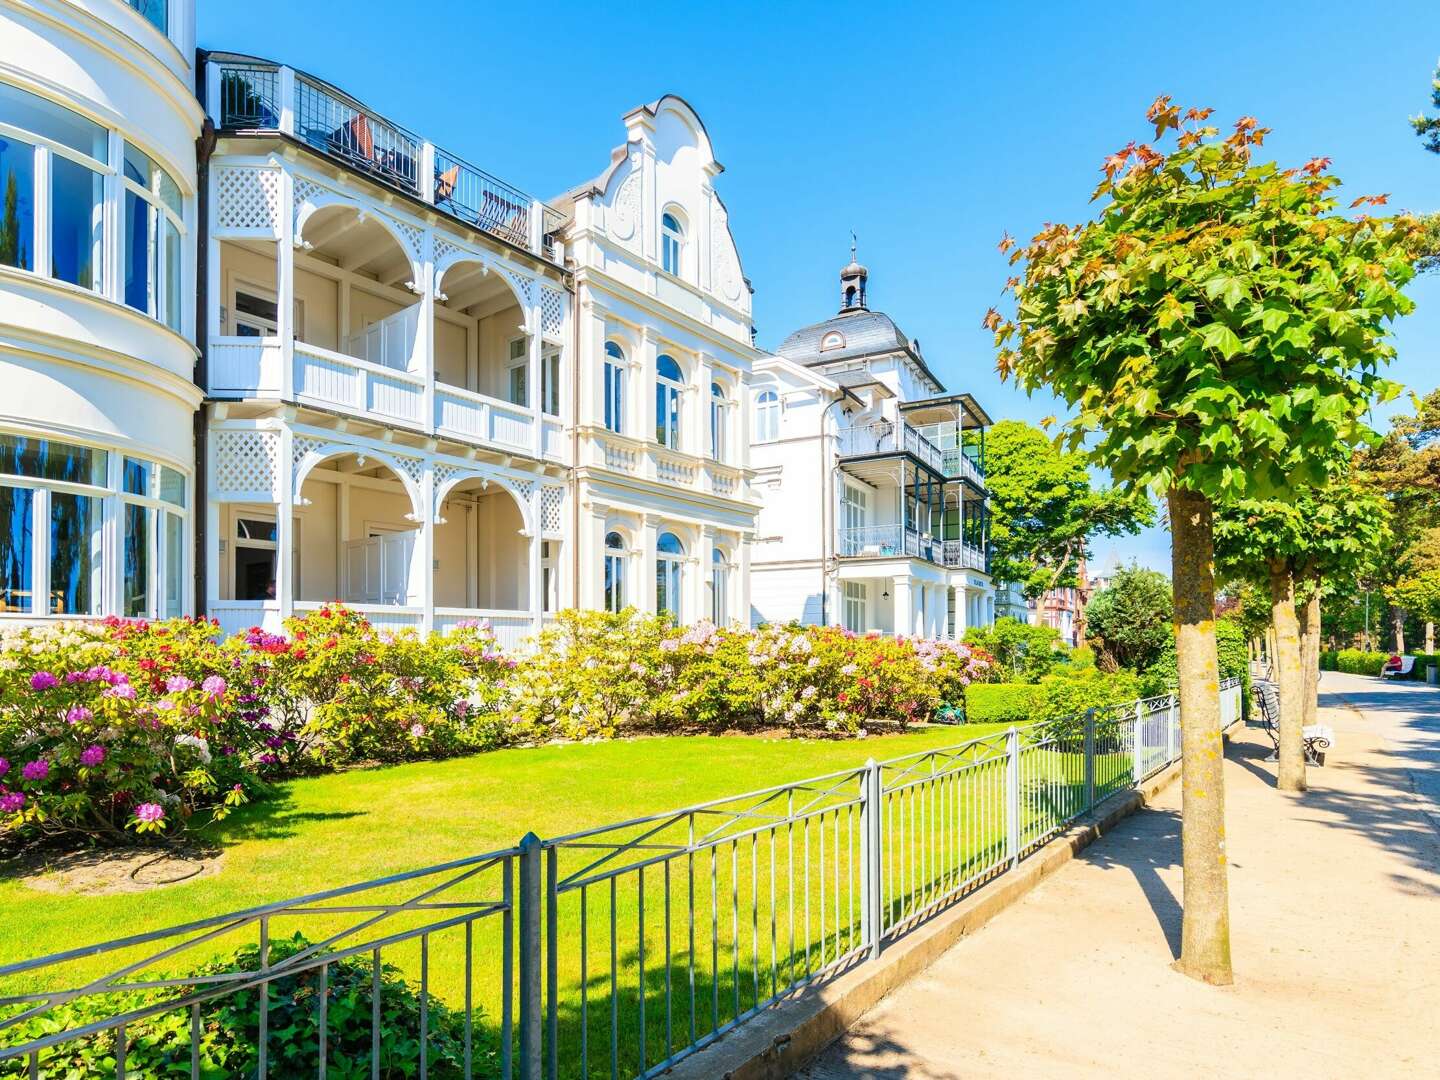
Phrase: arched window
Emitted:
{"points": [[614, 387], [719, 422], [834, 339], [719, 586], [672, 243], [614, 572], [767, 416], [669, 381], [669, 553]]}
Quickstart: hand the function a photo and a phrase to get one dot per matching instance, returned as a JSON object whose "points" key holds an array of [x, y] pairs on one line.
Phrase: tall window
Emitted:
{"points": [[254, 557], [719, 421], [719, 587], [55, 557], [156, 12], [614, 572], [518, 385], [853, 506], [668, 383], [614, 387], [61, 234], [550, 382], [855, 604], [767, 416], [152, 258], [669, 553], [672, 244]]}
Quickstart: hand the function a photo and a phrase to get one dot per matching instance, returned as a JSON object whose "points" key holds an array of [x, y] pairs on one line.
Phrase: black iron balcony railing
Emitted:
{"points": [[256, 95]]}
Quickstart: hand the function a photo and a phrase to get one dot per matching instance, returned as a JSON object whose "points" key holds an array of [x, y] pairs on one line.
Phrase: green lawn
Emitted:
{"points": [[328, 831]]}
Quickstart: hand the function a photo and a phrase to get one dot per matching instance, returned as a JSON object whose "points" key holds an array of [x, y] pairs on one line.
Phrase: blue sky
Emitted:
{"points": [[927, 131]]}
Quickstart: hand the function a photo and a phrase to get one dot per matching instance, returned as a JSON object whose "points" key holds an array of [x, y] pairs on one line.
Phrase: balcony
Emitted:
{"points": [[900, 541], [252, 95], [650, 461], [884, 437]]}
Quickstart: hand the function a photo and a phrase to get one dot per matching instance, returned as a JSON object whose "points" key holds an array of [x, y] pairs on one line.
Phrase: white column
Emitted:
{"points": [[534, 366], [287, 100], [590, 588], [537, 577], [422, 561], [741, 590], [903, 618], [285, 286], [285, 520], [961, 622], [642, 394], [422, 355], [704, 373], [643, 564]]}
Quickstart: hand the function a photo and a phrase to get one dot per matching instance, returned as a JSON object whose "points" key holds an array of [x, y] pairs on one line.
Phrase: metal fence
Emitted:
{"points": [[612, 951]]}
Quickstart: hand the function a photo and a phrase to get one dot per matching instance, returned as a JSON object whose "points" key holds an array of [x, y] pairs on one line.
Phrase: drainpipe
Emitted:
{"points": [[574, 478], [199, 517], [827, 496]]}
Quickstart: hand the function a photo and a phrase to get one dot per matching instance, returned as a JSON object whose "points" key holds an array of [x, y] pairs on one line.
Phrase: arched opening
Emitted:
{"points": [[480, 341], [481, 560], [672, 242], [669, 385], [617, 594], [719, 586], [767, 416], [353, 294]]}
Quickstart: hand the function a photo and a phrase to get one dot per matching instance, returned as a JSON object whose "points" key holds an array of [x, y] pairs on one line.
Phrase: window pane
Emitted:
{"points": [[77, 203], [16, 547], [45, 459], [255, 529], [17, 203], [174, 565], [135, 477], [136, 599], [75, 556], [518, 394], [172, 485], [156, 13], [141, 168], [254, 574], [171, 276], [139, 256], [34, 113]]}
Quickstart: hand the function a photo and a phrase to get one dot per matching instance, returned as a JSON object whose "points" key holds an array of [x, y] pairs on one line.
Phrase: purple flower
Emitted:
{"points": [[274, 742], [268, 759], [214, 686], [121, 690], [12, 802], [36, 770], [178, 684], [43, 680], [78, 713], [92, 755], [4, 766], [149, 812]]}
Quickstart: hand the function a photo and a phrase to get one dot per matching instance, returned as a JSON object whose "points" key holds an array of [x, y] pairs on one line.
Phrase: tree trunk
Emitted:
{"points": [[1205, 934], [1310, 655], [1429, 638], [1290, 674], [1397, 620]]}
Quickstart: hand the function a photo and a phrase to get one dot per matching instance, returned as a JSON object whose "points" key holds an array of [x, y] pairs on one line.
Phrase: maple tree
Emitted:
{"points": [[1218, 331]]}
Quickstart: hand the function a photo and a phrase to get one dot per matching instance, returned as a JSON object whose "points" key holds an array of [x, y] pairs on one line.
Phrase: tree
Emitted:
{"points": [[1421, 595], [1428, 127], [1219, 330], [1132, 617], [1293, 549], [1024, 653], [1044, 510]]}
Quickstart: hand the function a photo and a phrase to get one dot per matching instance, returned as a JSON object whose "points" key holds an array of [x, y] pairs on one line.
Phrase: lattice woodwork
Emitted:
{"points": [[552, 501], [552, 313], [245, 463], [248, 198]]}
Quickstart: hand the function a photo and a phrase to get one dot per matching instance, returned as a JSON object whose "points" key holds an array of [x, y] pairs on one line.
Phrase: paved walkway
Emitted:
{"points": [[1335, 906]]}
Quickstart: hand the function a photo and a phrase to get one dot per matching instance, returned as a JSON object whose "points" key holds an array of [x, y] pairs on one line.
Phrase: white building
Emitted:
{"points": [[98, 226], [417, 389], [871, 479]]}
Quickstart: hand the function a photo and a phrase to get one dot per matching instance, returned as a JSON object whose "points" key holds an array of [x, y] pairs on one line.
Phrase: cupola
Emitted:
{"points": [[852, 284]]}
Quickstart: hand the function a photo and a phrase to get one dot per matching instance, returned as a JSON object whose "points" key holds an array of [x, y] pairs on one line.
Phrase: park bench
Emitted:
{"points": [[1317, 737], [1407, 664]]}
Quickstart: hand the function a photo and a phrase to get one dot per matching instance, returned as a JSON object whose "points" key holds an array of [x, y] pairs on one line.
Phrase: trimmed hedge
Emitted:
{"points": [[1358, 662], [1001, 703]]}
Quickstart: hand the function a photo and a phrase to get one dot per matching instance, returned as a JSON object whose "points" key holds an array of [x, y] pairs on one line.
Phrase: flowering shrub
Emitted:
{"points": [[101, 738]]}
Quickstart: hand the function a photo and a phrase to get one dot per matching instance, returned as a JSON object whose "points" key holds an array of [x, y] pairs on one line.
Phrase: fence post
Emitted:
{"points": [[1089, 759], [871, 922], [530, 973], [1174, 725], [552, 963], [1137, 747], [1012, 796]]}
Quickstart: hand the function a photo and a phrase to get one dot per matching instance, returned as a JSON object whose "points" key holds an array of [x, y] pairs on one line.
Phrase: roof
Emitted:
{"points": [[964, 402], [866, 333]]}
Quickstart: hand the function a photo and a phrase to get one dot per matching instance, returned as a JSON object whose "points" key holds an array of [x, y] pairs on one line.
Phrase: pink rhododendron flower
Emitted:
{"points": [[4, 766], [92, 755], [78, 714], [214, 686], [12, 802], [43, 680], [36, 770], [178, 684], [149, 811]]}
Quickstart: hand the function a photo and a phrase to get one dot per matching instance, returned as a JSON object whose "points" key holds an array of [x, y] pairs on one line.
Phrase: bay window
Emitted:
{"points": [[55, 556], [54, 164]]}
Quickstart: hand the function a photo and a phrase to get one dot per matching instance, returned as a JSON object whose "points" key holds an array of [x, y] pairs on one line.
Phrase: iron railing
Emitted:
{"points": [[625, 948], [255, 95], [884, 437], [886, 540], [959, 554]]}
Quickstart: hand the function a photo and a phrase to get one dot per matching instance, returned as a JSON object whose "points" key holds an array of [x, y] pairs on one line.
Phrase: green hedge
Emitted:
{"points": [[1001, 703], [1356, 662]]}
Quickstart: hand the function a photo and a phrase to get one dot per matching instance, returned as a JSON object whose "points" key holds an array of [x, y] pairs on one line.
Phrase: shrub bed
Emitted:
{"points": [[1356, 661], [121, 729], [1001, 703]]}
